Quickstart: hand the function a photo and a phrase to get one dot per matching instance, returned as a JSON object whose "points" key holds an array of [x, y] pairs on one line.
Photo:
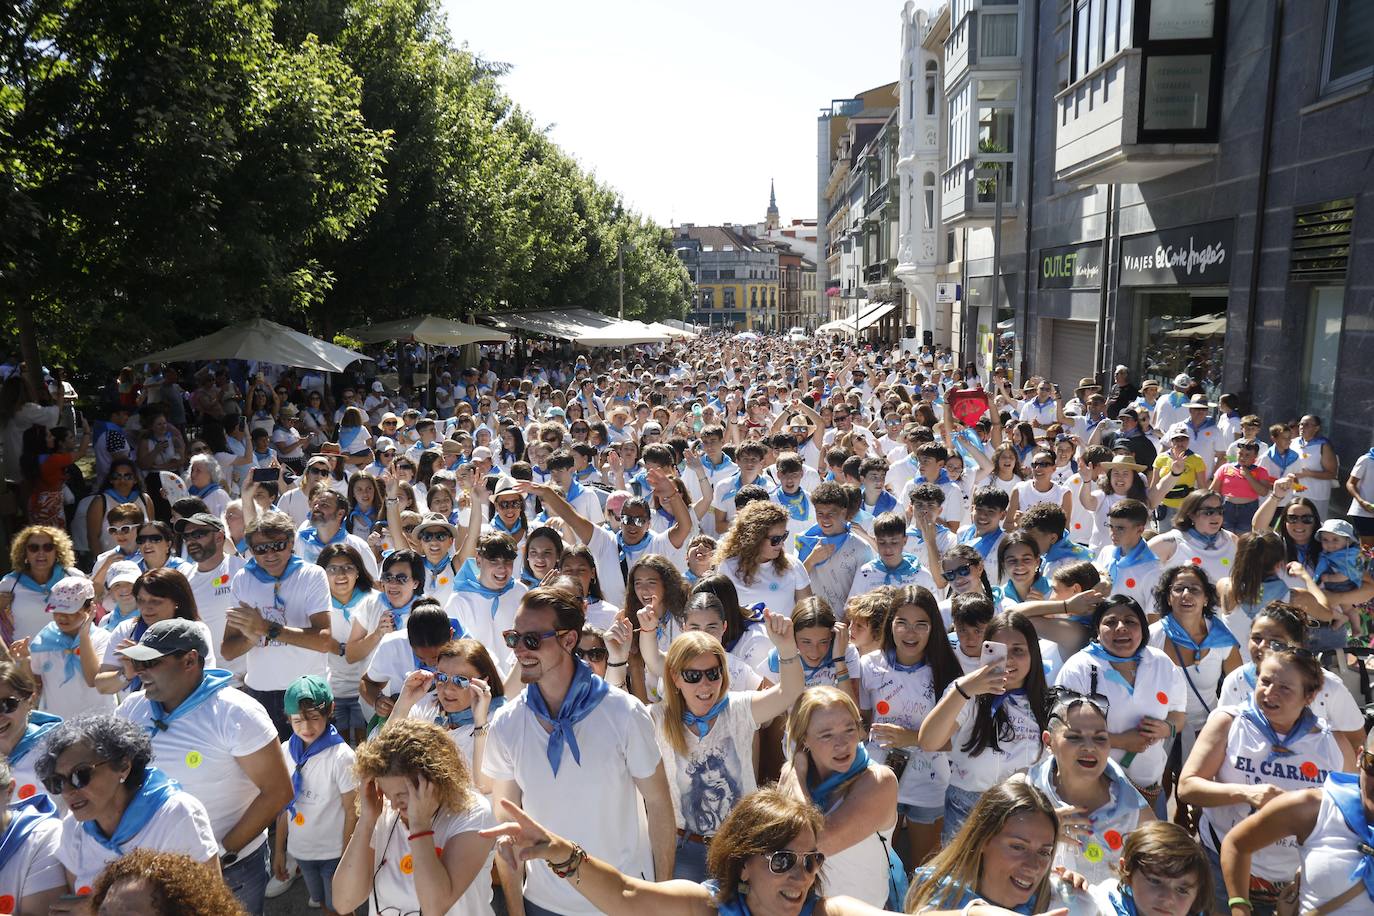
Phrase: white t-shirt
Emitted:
{"points": [[606, 552], [1333, 702], [774, 590], [394, 884], [29, 607], [723, 496], [1029, 496], [474, 612], [1205, 675], [718, 770], [316, 829], [290, 602], [180, 825], [35, 866], [904, 699], [1364, 471], [70, 696], [980, 772], [595, 800], [343, 674], [834, 578], [125, 631], [874, 573], [392, 662], [213, 601], [200, 750], [311, 552], [1137, 580]]}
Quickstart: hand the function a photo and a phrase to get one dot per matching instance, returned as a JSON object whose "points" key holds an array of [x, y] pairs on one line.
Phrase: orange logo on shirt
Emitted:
{"points": [[1197, 561], [1308, 769], [28, 790], [1078, 524], [299, 819], [407, 864], [882, 707], [1162, 697], [6, 904]]}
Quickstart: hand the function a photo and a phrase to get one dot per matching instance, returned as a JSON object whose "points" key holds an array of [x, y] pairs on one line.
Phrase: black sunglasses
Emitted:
{"points": [[10, 704], [150, 539], [1042, 464], [429, 536], [959, 572], [594, 654], [635, 521], [1066, 696], [268, 547], [694, 675], [776, 540], [783, 861], [1300, 519], [79, 778], [531, 640], [147, 664]]}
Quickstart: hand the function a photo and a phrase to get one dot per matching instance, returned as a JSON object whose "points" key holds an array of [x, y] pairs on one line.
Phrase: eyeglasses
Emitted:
{"points": [[150, 539], [117, 530], [784, 860], [79, 778], [9, 704], [149, 664], [1300, 651], [531, 640], [1042, 464], [341, 569], [122, 477], [268, 547], [37, 547], [457, 680], [959, 572], [634, 521], [1208, 511], [594, 654], [1185, 590], [694, 675], [1067, 696], [395, 578], [431, 536], [1300, 519], [506, 505], [317, 471]]}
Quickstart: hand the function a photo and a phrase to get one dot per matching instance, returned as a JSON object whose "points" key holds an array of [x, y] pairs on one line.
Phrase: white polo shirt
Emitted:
{"points": [[289, 602]]}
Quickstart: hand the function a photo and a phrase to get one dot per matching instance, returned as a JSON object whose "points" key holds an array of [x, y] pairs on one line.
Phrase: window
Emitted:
{"points": [[928, 191], [727, 273], [1323, 349], [1100, 30], [773, 297], [958, 125], [932, 79], [727, 297], [910, 91], [997, 136], [1349, 56], [753, 297], [997, 34], [708, 298]]}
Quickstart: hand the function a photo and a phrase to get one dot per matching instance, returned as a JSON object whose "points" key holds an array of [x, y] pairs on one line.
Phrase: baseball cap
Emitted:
{"points": [[69, 595], [554, 412], [377, 386], [123, 571], [1178, 431], [168, 636], [1182, 380], [481, 453], [208, 519], [1330, 526], [310, 688], [385, 444]]}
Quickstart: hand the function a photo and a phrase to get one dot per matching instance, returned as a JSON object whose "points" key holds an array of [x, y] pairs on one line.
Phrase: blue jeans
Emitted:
{"points": [[274, 701], [958, 806], [247, 879], [348, 714], [1237, 517], [319, 879], [690, 863], [534, 909]]}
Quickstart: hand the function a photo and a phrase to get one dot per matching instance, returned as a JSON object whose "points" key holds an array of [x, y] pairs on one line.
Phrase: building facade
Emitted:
{"points": [[734, 275]]}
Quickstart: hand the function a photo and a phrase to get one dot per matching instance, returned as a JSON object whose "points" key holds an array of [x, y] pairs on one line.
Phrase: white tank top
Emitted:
{"points": [[1030, 496], [1248, 762], [1204, 676], [1216, 561], [1097, 858], [861, 870], [1330, 854]]}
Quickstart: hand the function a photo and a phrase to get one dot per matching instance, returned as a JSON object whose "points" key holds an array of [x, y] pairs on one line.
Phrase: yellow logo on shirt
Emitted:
{"points": [[194, 759]]}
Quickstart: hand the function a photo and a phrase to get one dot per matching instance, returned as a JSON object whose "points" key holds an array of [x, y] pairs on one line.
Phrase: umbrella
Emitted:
{"points": [[427, 329], [671, 331], [746, 335], [261, 340], [621, 334]]}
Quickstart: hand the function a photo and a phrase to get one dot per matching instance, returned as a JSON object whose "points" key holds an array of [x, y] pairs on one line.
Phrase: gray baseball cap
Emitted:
{"points": [[168, 636]]}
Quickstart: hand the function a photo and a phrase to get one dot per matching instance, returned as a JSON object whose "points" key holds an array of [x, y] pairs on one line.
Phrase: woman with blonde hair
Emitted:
{"points": [[706, 734], [416, 846], [830, 769], [40, 557], [753, 554]]}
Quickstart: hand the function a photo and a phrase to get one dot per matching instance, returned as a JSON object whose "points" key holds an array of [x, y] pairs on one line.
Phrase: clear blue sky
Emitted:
{"points": [[688, 108]]}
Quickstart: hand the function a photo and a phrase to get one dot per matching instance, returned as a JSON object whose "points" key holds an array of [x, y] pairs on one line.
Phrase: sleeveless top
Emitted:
{"points": [[1244, 615], [861, 870], [1329, 857]]}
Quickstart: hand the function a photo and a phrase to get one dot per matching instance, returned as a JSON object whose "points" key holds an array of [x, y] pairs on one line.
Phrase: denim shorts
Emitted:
{"points": [[319, 879], [921, 814], [348, 714]]}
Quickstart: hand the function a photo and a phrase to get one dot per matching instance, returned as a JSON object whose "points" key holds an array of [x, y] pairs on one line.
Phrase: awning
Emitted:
{"points": [[427, 329], [262, 340], [622, 334], [565, 324], [867, 318], [672, 331]]}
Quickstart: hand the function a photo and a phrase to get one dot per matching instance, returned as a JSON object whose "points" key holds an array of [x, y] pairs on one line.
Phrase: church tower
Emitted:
{"points": [[772, 221]]}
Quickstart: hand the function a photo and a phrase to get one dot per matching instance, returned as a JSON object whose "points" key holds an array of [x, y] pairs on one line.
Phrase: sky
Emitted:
{"points": [[688, 108]]}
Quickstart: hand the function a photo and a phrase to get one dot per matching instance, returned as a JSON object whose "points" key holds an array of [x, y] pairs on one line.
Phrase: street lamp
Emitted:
{"points": [[993, 172]]}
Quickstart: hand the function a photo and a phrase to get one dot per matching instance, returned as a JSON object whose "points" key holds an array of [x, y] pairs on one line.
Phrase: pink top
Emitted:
{"points": [[1231, 483]]}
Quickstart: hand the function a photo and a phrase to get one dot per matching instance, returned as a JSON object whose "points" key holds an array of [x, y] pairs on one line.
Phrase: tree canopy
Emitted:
{"points": [[167, 168]]}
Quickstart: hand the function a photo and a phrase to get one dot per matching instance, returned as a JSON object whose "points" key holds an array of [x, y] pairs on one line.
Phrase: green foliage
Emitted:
{"points": [[167, 168]]}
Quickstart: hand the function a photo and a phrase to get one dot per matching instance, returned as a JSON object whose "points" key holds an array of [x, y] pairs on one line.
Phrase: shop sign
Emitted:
{"points": [[1071, 267], [1198, 255]]}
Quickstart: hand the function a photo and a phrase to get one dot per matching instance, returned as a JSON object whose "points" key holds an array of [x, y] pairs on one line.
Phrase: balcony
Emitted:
{"points": [[969, 202], [1097, 136]]}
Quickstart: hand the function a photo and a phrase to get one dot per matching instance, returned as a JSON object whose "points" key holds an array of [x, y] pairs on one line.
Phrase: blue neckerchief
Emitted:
{"points": [[300, 756], [116, 617], [156, 790], [667, 516], [356, 513], [528, 578], [1096, 650], [639, 479], [51, 639], [919, 536], [1205, 541], [433, 570], [896, 575], [1282, 460], [540, 474], [797, 504], [348, 435], [500, 525], [701, 724], [810, 539], [468, 582], [1307, 723], [24, 816], [629, 552], [940, 480], [737, 484], [133, 496], [346, 608], [214, 680], [1344, 792], [1308, 443], [38, 725], [1218, 636], [1065, 549], [584, 693], [399, 615], [808, 671], [1125, 797], [23, 580], [1122, 900], [263, 456], [262, 575], [462, 717], [316, 544], [584, 474], [1201, 426], [895, 665], [575, 490], [1000, 700], [821, 792], [204, 491], [1272, 588], [1345, 561], [1370, 453], [983, 543], [1012, 594], [713, 467], [1177, 399], [737, 906], [886, 503], [1140, 554], [1250, 671]]}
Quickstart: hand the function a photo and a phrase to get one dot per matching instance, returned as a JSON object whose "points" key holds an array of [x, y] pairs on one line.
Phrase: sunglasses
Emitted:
{"points": [[1300, 519], [1300, 651], [150, 539], [10, 704], [149, 664], [431, 536], [959, 572], [775, 540], [635, 521], [341, 569], [317, 471], [594, 654], [1208, 511], [121, 477], [47, 547], [531, 640], [1042, 464], [694, 675], [509, 504], [396, 578], [457, 680], [268, 547], [1067, 696], [783, 861], [79, 778], [117, 530]]}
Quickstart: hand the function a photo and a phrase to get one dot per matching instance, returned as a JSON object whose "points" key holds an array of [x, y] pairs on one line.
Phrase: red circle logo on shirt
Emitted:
{"points": [[1308, 769], [6, 904], [1130, 583], [1113, 839], [1197, 561], [28, 790], [882, 707], [1162, 697], [407, 864], [1077, 525], [84, 890]]}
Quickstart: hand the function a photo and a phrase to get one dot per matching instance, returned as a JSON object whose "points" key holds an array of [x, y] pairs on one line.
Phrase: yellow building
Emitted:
{"points": [[735, 277]]}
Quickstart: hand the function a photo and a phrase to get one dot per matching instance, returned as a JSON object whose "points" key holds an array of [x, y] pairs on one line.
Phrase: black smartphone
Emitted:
{"points": [[897, 759], [265, 475]]}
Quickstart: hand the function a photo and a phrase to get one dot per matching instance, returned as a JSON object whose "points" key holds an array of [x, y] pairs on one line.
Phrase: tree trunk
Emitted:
{"points": [[28, 350]]}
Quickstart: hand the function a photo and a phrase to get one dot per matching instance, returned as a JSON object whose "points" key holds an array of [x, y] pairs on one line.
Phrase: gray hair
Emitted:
{"points": [[274, 524], [107, 735], [211, 465], [6, 775]]}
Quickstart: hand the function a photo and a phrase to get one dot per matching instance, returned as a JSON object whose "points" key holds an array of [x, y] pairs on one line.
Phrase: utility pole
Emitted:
{"points": [[620, 268]]}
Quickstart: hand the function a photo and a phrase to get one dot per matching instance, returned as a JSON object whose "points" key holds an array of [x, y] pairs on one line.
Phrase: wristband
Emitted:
{"points": [[1240, 901], [1173, 729], [617, 664], [789, 660], [415, 836], [959, 687]]}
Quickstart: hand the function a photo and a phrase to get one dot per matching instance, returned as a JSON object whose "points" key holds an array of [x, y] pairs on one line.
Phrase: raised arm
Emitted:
{"points": [[776, 700], [555, 502]]}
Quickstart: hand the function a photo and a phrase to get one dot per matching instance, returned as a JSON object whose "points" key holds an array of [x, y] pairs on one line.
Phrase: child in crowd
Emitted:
{"points": [[1340, 568], [64, 657]]}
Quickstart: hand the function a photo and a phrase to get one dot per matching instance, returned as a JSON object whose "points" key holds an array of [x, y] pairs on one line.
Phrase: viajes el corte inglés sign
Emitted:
{"points": [[1198, 255]]}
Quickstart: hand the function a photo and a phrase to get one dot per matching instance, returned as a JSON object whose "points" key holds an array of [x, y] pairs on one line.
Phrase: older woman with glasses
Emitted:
{"points": [[117, 801], [41, 557], [1249, 755]]}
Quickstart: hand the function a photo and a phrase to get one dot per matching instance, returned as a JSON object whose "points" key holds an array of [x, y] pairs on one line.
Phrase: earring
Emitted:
{"points": [[742, 888]]}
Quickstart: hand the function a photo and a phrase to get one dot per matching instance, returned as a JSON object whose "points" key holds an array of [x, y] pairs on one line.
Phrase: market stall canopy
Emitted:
{"points": [[427, 329], [264, 341], [565, 324], [622, 334], [680, 325], [673, 332], [867, 318], [1215, 327]]}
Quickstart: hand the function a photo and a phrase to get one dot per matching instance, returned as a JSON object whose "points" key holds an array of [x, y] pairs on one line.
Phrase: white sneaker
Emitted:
{"points": [[276, 888], [313, 903]]}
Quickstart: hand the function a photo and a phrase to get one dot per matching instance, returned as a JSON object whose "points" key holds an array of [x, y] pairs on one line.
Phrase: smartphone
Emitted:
{"points": [[994, 653], [897, 760], [265, 475]]}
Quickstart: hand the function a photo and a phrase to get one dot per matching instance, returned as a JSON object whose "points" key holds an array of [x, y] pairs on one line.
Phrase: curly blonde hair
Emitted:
{"points": [[411, 748], [179, 884], [746, 536], [66, 554]]}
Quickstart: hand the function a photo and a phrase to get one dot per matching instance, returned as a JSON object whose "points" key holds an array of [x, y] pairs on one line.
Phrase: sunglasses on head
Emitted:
{"points": [[594, 654], [531, 640], [1068, 697], [79, 778], [150, 539], [1300, 651], [694, 675], [268, 547], [775, 540], [457, 680], [784, 860], [10, 704]]}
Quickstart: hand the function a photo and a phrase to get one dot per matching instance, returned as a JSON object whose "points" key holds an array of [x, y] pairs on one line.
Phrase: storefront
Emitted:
{"points": [[1068, 289], [1176, 283]]}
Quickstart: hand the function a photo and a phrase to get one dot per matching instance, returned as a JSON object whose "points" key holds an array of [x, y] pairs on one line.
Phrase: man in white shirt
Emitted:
{"points": [[580, 757], [217, 742], [204, 534], [327, 525], [1040, 411]]}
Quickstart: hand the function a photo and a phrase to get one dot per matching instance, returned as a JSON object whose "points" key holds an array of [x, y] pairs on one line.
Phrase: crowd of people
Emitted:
{"points": [[725, 626]]}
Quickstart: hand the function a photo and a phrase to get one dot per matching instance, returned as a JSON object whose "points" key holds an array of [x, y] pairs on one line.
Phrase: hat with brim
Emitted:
{"points": [[166, 637], [1149, 383], [450, 447], [1200, 402], [120, 572], [69, 595], [1338, 526], [434, 520], [1116, 464], [1086, 384]]}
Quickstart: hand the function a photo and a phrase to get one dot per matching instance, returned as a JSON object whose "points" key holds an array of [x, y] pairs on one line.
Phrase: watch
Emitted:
{"points": [[273, 631]]}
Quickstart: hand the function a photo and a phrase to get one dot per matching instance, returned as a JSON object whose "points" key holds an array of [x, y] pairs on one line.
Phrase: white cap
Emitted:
{"points": [[384, 444], [1178, 431], [377, 387], [1338, 526], [123, 571], [69, 595]]}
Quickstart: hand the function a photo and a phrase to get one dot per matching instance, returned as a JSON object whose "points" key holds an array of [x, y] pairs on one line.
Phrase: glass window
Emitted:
{"points": [[1349, 43], [996, 130], [1180, 331], [1323, 349], [1083, 38], [987, 187], [928, 188], [932, 76], [1181, 20], [728, 297], [997, 34], [997, 90], [1111, 30]]}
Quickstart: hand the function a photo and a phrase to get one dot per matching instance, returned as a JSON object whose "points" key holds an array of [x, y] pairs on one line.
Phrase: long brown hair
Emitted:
{"points": [[1257, 553], [762, 823], [746, 536]]}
